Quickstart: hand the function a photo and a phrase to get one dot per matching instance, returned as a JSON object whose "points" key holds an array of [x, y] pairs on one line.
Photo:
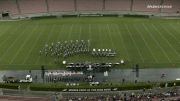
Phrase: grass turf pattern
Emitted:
{"points": [[152, 43]]}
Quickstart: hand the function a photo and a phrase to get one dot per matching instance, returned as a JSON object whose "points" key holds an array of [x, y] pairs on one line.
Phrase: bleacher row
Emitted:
{"points": [[18, 7], [20, 98]]}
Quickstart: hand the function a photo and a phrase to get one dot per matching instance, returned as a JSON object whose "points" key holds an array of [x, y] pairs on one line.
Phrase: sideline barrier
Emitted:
{"points": [[8, 86], [89, 88]]}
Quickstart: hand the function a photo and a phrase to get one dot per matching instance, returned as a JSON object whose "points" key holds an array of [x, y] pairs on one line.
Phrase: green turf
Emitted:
{"points": [[148, 42]]}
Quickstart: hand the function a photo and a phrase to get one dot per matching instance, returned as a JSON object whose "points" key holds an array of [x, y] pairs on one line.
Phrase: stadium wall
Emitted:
{"points": [[61, 5], [8, 6], [175, 8], [31, 8], [89, 5], [117, 5], [141, 5]]}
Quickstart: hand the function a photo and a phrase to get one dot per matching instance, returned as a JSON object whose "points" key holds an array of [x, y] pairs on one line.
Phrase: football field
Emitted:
{"points": [[151, 43]]}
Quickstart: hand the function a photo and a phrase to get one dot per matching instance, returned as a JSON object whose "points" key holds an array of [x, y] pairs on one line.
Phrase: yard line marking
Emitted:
{"points": [[99, 33], [62, 27], [178, 22], [87, 29], [146, 44], [16, 29], [12, 45], [90, 38], [4, 31], [27, 38], [122, 40], [79, 35], [134, 43], [120, 49], [174, 30], [70, 31], [48, 35], [68, 36], [9, 35], [48, 38], [157, 44], [89, 26], [166, 40], [30, 51], [80, 32], [110, 35]]}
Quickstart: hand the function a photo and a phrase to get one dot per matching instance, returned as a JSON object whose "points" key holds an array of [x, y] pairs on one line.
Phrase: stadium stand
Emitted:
{"points": [[175, 6], [89, 5], [141, 5], [56, 7], [32, 6], [61, 5], [117, 5], [8, 6], [20, 98]]}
